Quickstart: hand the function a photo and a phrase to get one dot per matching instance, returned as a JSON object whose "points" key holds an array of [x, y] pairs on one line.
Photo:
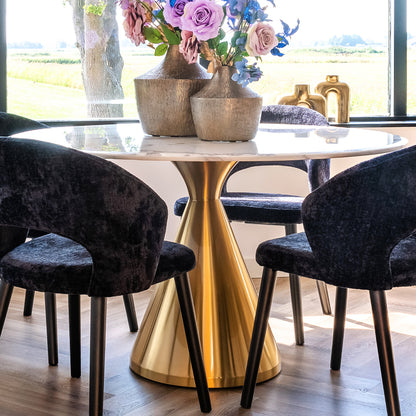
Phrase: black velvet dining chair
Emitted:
{"points": [[12, 124], [278, 209], [360, 233], [107, 224]]}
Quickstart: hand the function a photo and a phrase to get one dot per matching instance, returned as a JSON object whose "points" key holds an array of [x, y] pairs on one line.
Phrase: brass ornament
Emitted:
{"points": [[303, 98], [342, 92]]}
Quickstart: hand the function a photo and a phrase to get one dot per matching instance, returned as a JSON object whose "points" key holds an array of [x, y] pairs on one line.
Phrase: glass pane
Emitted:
{"points": [[411, 58], [45, 72], [348, 39]]}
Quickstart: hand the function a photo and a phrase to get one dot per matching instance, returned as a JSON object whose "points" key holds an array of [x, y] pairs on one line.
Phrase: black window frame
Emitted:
{"points": [[397, 72]]}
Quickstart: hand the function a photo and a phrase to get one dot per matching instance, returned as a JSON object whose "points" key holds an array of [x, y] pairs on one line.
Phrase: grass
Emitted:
{"points": [[54, 79]]}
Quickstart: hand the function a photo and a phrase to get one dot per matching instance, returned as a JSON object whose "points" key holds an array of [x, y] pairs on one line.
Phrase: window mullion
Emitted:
{"points": [[398, 57], [3, 57]]}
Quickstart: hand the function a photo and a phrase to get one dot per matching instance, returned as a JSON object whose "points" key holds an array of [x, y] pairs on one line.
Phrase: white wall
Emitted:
{"points": [[167, 182]]}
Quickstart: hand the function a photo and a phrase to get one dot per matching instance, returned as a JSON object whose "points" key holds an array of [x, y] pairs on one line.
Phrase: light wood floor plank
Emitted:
{"points": [[306, 386]]}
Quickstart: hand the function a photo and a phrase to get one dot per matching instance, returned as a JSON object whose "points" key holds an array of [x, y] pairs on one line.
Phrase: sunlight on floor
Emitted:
{"points": [[282, 328]]}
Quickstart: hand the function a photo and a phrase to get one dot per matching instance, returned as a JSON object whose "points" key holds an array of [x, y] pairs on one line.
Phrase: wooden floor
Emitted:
{"points": [[305, 387]]}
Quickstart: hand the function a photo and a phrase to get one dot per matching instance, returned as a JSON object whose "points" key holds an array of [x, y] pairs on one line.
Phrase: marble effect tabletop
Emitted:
{"points": [[272, 142]]}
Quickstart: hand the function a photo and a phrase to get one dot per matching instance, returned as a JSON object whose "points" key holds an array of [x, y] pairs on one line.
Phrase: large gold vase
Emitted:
{"points": [[224, 110], [162, 95]]}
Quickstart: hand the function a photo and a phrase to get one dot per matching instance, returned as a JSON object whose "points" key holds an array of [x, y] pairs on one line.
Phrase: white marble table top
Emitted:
{"points": [[272, 142]]}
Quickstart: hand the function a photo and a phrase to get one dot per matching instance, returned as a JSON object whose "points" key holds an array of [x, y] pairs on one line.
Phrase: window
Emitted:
{"points": [[348, 39], [411, 59]]}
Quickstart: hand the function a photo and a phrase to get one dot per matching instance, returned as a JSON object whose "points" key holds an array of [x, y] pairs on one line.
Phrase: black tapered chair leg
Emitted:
{"points": [[131, 312], [339, 326], [6, 291], [296, 298], [97, 354], [385, 351], [194, 345], [74, 312], [29, 296], [51, 329], [259, 332], [324, 297]]}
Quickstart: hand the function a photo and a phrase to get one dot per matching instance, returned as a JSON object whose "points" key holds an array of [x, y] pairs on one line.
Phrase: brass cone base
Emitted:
{"points": [[224, 297]]}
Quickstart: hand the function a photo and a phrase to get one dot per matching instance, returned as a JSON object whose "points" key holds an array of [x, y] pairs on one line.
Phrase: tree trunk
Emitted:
{"points": [[102, 65]]}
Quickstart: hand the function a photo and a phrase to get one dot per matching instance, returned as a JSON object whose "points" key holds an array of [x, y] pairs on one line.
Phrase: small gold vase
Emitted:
{"points": [[162, 95], [224, 110]]}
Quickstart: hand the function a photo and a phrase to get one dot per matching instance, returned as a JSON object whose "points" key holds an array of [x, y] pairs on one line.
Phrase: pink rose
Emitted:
{"points": [[189, 46], [261, 39], [135, 18]]}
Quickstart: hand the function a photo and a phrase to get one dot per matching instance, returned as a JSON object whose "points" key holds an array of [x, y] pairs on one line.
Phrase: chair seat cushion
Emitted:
{"points": [[293, 254], [52, 263], [259, 208]]}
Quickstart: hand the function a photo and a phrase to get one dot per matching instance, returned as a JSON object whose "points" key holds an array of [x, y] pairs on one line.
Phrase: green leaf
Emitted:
{"points": [[174, 38], [236, 35], [161, 49], [152, 35], [213, 43], [222, 48]]}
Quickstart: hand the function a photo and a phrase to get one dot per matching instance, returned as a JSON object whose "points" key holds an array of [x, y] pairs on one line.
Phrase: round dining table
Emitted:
{"points": [[224, 296]]}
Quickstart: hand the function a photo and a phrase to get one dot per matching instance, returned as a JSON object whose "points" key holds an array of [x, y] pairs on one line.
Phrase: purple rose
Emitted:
{"points": [[203, 18], [124, 4], [261, 39], [189, 46], [173, 14]]}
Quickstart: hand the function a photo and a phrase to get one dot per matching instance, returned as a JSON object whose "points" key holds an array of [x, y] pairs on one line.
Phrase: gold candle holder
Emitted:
{"points": [[342, 92], [303, 98]]}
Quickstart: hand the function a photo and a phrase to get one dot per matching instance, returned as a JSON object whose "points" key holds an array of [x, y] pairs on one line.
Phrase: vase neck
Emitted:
{"points": [[222, 86], [174, 66]]}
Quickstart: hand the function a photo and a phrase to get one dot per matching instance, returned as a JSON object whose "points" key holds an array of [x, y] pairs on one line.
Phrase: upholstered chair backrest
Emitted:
{"points": [[13, 124], [354, 221], [11, 237], [114, 215], [318, 170]]}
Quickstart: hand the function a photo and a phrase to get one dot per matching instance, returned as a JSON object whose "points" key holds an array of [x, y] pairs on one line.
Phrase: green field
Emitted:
{"points": [[48, 85]]}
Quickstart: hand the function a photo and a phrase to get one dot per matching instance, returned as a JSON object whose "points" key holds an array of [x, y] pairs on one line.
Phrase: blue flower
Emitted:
{"points": [[254, 12], [246, 73], [282, 38], [236, 7], [287, 31]]}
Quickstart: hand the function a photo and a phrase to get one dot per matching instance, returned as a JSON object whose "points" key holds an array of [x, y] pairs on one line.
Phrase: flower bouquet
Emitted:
{"points": [[162, 94], [225, 35]]}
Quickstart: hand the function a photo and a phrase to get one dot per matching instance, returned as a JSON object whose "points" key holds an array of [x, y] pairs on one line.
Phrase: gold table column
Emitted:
{"points": [[225, 299]]}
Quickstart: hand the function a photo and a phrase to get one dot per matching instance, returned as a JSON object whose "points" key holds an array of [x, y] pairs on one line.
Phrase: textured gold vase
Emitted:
{"points": [[162, 95], [224, 110]]}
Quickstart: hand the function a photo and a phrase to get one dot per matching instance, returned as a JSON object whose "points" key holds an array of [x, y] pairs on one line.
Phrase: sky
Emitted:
{"points": [[48, 21]]}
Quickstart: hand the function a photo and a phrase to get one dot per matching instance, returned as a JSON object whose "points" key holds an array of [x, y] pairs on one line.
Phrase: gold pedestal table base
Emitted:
{"points": [[224, 297]]}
